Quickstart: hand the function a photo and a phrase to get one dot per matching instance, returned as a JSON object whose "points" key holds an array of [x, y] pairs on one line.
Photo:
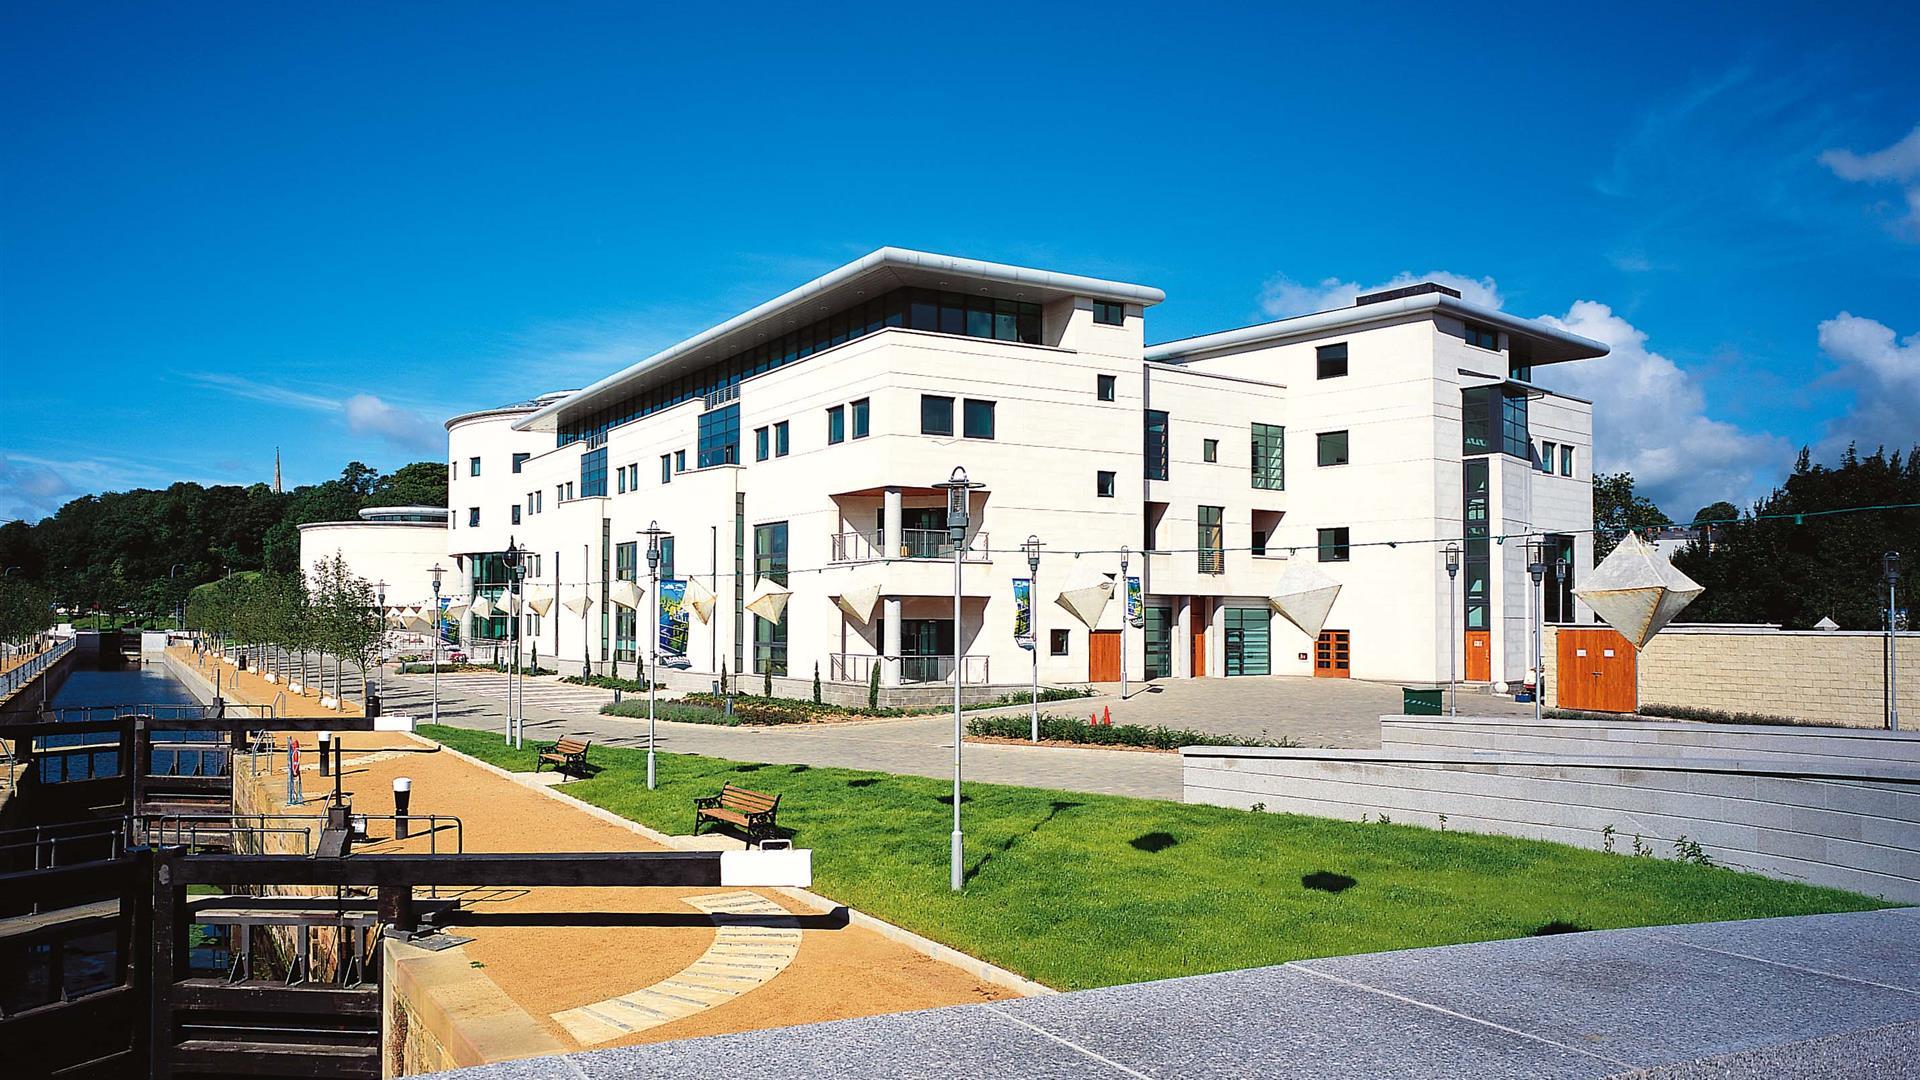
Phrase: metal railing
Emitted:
{"points": [[1213, 560], [913, 544], [914, 670], [192, 830], [85, 841], [21, 675], [721, 397]]}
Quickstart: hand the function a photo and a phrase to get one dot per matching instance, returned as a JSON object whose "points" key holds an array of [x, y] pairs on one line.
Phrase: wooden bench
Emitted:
{"points": [[751, 812], [567, 755]]}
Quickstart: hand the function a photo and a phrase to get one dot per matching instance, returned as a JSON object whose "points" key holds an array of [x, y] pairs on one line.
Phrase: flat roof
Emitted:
{"points": [[1534, 342], [864, 278]]}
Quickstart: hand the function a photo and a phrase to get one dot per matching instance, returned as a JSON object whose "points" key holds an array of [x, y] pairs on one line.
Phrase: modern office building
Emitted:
{"points": [[800, 445], [398, 545]]}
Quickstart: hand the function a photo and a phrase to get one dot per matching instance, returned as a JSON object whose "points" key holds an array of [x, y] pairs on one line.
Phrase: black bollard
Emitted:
{"points": [[402, 794], [326, 746]]}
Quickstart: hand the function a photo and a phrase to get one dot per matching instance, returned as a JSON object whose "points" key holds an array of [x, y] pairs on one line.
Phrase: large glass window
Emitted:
{"points": [[519, 460], [920, 309], [978, 419], [1558, 585], [1493, 420], [1155, 445], [593, 473], [1330, 361], [1476, 531], [936, 415], [1482, 337], [1269, 457], [626, 567], [1212, 540], [1159, 642], [1333, 448], [770, 562], [719, 442], [1249, 650]]}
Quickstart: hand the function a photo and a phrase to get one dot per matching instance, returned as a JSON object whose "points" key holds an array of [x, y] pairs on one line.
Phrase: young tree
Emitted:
{"points": [[1618, 510]]}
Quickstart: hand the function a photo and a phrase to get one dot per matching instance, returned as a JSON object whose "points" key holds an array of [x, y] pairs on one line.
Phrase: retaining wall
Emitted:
{"points": [[1851, 824], [1830, 677], [1814, 746]]}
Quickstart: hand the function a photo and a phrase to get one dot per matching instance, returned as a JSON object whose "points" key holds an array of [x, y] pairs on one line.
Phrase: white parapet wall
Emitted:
{"points": [[1852, 824], [1825, 746]]}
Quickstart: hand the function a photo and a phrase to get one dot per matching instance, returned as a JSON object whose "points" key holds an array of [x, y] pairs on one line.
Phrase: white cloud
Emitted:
{"points": [[1650, 419], [1885, 375], [30, 490], [368, 415], [1282, 296], [1896, 164], [254, 390]]}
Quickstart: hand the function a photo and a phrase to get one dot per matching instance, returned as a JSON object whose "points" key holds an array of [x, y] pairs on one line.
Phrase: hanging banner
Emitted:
{"points": [[1135, 616], [673, 617], [1023, 612], [449, 626]]}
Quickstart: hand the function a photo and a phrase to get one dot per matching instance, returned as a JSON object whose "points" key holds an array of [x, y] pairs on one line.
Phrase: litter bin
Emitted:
{"points": [[1419, 702]]}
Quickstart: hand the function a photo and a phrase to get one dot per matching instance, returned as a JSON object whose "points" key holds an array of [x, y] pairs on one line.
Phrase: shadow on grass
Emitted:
{"points": [[947, 800], [864, 781], [1054, 810], [1153, 841], [1558, 926], [1327, 882]]}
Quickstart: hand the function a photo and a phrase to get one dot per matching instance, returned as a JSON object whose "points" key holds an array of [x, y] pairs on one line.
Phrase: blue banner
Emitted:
{"points": [[1135, 616], [673, 617], [1023, 612]]}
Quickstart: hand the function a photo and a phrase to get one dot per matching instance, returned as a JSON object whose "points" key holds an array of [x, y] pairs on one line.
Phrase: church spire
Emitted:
{"points": [[276, 471]]}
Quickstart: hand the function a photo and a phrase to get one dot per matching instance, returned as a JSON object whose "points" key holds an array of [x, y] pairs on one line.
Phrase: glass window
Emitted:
{"points": [[1103, 484], [1333, 545], [979, 322], [1269, 457], [1259, 541], [1513, 425], [1057, 642], [770, 561], [516, 513], [473, 466], [1566, 460], [953, 314], [1107, 386], [593, 473], [1482, 336], [679, 461], [780, 445], [760, 444], [473, 516], [519, 460], [862, 417], [666, 468], [1109, 314], [1333, 448], [1210, 450], [719, 440], [936, 415], [1546, 457], [1156, 444], [1330, 361], [836, 424], [1211, 540], [666, 558], [1476, 421], [978, 419]]}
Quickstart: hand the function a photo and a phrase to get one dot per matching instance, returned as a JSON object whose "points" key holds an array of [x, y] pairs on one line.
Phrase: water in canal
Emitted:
{"points": [[146, 688]]}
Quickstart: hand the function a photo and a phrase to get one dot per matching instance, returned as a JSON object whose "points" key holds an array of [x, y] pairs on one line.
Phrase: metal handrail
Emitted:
{"points": [[858, 667], [858, 546], [18, 677]]}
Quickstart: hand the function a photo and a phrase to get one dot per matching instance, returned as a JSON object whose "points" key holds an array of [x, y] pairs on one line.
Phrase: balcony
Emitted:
{"points": [[859, 547], [914, 670], [1212, 561]]}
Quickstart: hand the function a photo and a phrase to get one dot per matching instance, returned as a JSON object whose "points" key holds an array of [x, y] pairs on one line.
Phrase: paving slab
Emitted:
{"points": [[1848, 946]]}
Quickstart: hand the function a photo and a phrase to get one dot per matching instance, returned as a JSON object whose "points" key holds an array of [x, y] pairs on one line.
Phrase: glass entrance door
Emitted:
{"points": [[1248, 641]]}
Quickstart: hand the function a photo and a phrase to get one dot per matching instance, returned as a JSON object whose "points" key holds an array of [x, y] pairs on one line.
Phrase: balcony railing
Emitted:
{"points": [[1213, 561], [858, 668], [914, 544]]}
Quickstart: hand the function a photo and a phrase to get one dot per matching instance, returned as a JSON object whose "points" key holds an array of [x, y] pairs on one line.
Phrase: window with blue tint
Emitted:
{"points": [[770, 562], [519, 460], [719, 442], [679, 461], [473, 466], [1156, 444], [780, 445], [1482, 337], [1109, 314], [473, 516], [1269, 457], [666, 468], [1330, 361], [1513, 425], [666, 558], [862, 417], [836, 424], [1106, 387], [977, 419], [1493, 420], [936, 415], [593, 473], [760, 444]]}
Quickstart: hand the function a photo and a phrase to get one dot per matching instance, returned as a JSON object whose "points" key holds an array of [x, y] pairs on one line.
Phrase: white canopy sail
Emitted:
{"points": [[1303, 596], [540, 599], [859, 598], [625, 593], [1637, 591], [579, 605], [419, 623], [700, 599], [482, 608], [769, 599], [1086, 595]]}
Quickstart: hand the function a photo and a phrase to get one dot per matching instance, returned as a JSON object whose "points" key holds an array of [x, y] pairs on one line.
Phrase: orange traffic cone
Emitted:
{"points": [[1106, 716], [1093, 719]]}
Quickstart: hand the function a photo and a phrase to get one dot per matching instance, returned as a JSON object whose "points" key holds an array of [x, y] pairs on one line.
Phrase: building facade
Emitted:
{"points": [[801, 444], [397, 545]]}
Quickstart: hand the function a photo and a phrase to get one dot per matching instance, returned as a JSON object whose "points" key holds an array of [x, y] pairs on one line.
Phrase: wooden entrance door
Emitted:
{"points": [[1333, 655], [1103, 656], [1595, 669], [1197, 629], [1479, 656]]}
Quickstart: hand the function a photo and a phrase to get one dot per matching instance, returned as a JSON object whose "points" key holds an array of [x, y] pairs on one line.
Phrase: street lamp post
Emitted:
{"points": [[1453, 636], [437, 571], [653, 533], [1561, 568], [1890, 565], [512, 558], [957, 487], [1032, 549], [1537, 567], [1126, 616], [380, 599]]}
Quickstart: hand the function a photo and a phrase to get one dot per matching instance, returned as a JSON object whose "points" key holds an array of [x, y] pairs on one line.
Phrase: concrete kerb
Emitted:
{"points": [[972, 965]]}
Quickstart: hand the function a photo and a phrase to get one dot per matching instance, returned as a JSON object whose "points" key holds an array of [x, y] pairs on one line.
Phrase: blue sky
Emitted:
{"points": [[327, 228]]}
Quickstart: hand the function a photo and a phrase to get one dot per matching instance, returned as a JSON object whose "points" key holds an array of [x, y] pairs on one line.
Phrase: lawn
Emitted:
{"points": [[1078, 890]]}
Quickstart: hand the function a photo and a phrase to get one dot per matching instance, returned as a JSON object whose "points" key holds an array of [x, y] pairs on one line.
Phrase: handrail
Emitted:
{"points": [[914, 670], [860, 546], [17, 678]]}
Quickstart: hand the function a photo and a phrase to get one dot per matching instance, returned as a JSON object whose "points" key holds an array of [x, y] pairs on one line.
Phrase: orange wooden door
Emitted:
{"points": [[1103, 656], [1595, 670], [1197, 624], [1333, 655], [1479, 656]]}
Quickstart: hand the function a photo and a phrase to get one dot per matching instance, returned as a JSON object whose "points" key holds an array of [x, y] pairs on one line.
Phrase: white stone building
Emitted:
{"points": [[801, 441], [397, 545]]}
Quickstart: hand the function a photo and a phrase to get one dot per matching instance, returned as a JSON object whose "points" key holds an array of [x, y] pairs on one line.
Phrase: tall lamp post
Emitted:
{"points": [[1032, 550], [1537, 567], [436, 571], [1890, 564], [1452, 552], [957, 487], [512, 558], [653, 534], [1126, 616], [380, 598]]}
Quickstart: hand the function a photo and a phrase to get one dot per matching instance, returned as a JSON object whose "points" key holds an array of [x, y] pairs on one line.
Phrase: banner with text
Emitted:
{"points": [[1023, 612], [673, 617]]}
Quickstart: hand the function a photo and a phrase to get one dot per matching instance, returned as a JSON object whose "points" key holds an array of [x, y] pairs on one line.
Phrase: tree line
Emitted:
{"points": [[144, 551], [269, 617]]}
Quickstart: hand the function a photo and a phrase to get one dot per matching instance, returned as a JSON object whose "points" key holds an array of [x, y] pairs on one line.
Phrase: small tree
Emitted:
{"points": [[723, 677], [766, 685], [873, 684], [816, 682]]}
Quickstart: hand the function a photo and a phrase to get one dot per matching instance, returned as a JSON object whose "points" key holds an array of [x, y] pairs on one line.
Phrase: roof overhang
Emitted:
{"points": [[863, 279], [1533, 342]]}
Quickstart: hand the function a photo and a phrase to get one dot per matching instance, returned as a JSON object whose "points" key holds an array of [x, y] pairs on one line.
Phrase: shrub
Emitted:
{"points": [[873, 686], [607, 682], [816, 682], [1075, 730], [1687, 712], [1049, 693], [799, 705], [678, 712]]}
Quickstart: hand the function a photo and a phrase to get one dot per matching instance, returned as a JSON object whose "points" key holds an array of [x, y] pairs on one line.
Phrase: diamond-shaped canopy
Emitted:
{"points": [[769, 599], [539, 600], [484, 608], [579, 605], [859, 597], [1637, 591], [625, 593], [1303, 595], [458, 610], [1086, 595], [420, 623], [700, 599]]}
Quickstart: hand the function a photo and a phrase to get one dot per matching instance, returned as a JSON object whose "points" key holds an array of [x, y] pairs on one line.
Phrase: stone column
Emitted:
{"points": [[890, 640], [891, 537]]}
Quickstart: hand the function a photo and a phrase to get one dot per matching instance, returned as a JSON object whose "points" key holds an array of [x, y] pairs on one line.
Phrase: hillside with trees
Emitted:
{"points": [[143, 551]]}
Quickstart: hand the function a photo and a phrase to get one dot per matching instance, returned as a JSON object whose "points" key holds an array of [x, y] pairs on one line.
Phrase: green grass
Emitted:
{"points": [[1079, 890]]}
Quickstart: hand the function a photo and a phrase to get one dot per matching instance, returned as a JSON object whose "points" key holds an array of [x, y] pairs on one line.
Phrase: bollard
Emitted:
{"points": [[326, 744], [402, 794]]}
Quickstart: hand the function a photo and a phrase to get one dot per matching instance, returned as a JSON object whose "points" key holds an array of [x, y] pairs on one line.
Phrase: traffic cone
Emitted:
{"points": [[1106, 716], [1093, 719]]}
